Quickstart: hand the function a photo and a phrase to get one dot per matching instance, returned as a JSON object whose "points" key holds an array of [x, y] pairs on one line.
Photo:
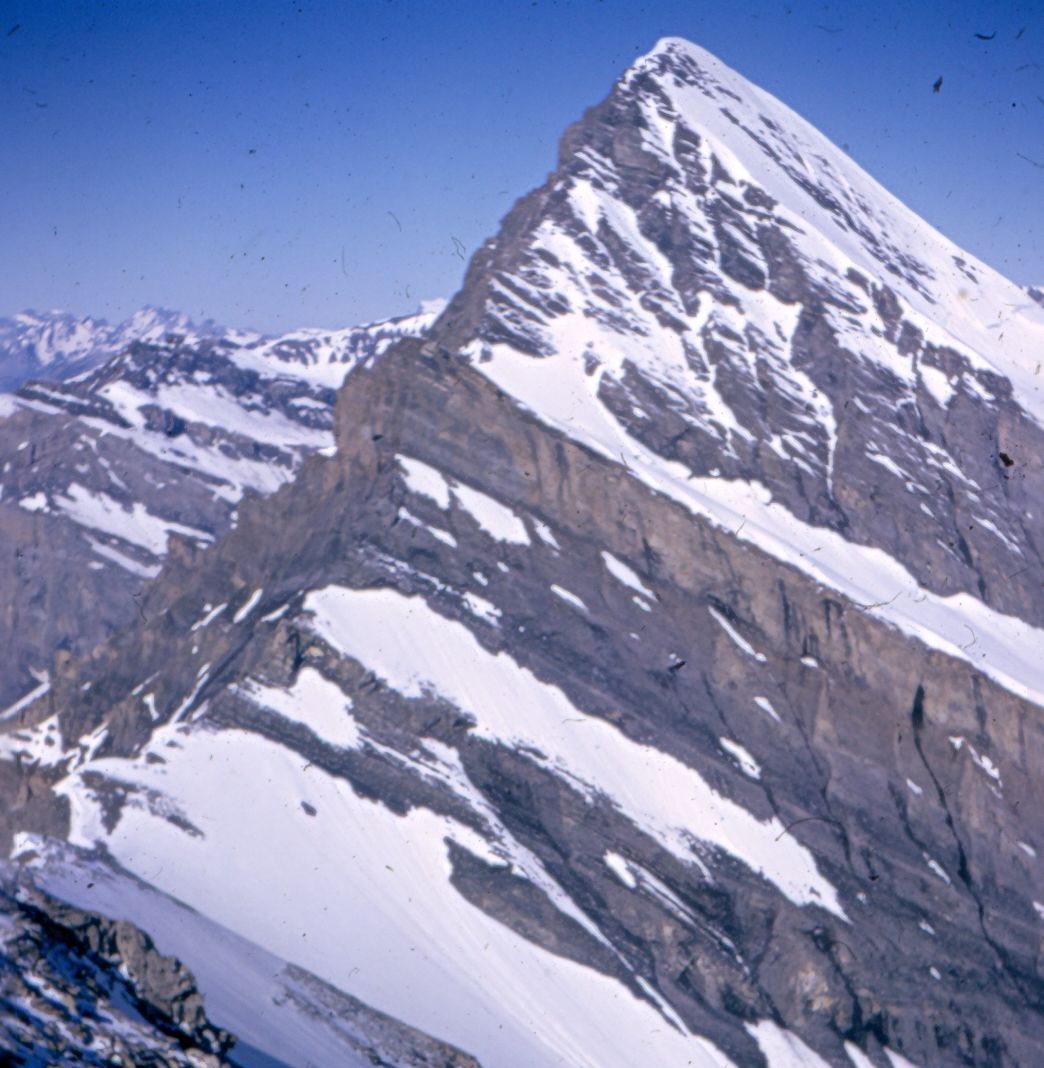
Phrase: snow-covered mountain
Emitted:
{"points": [[57, 345], [163, 439], [708, 282], [651, 674]]}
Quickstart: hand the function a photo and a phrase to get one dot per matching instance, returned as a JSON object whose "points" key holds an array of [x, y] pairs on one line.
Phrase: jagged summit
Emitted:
{"points": [[706, 282], [845, 206], [837, 216]]}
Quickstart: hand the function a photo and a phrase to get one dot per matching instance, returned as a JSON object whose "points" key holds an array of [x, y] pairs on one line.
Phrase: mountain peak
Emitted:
{"points": [[672, 48], [706, 277], [839, 208]]}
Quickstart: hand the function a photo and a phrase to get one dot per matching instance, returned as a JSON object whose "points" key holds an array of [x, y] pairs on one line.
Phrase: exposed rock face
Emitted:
{"points": [[79, 988], [586, 706], [100, 477]]}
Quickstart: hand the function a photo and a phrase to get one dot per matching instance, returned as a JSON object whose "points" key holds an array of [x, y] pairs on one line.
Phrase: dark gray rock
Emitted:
{"points": [[76, 987]]}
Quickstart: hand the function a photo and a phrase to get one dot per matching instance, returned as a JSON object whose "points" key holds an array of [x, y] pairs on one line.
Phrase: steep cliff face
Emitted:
{"points": [[583, 707]]}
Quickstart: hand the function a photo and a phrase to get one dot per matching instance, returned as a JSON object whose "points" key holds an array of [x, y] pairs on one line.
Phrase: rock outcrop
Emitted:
{"points": [[76, 987]]}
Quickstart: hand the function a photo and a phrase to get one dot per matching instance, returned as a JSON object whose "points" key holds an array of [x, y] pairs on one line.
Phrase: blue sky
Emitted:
{"points": [[317, 163]]}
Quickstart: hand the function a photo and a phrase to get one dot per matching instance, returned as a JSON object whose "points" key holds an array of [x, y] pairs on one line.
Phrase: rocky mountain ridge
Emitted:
{"points": [[58, 345], [100, 474], [78, 987]]}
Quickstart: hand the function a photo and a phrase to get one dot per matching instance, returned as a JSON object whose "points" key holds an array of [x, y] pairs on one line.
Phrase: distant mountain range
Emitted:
{"points": [[55, 346]]}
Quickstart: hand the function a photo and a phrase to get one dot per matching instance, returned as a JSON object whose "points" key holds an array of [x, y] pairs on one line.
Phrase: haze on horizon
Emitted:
{"points": [[315, 163]]}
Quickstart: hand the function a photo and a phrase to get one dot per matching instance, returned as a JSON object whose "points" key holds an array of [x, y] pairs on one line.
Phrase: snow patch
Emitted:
{"points": [[496, 519], [425, 480], [415, 650], [782, 1049], [37, 502], [735, 635], [619, 867], [623, 574], [209, 616], [766, 706], [26, 700], [313, 701], [248, 607], [41, 743], [134, 524], [569, 598], [482, 608], [545, 534], [144, 571], [749, 765]]}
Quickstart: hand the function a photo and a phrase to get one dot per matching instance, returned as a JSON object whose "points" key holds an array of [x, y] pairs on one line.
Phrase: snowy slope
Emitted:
{"points": [[273, 1009], [400, 936], [843, 219]]}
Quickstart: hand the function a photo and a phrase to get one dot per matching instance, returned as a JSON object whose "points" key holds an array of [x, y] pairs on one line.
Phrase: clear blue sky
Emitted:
{"points": [[282, 164]]}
